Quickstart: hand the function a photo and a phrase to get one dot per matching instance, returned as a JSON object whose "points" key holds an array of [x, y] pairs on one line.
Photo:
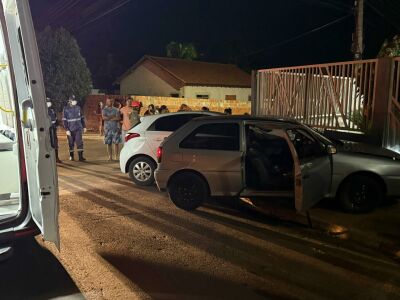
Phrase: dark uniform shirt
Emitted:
{"points": [[73, 118]]}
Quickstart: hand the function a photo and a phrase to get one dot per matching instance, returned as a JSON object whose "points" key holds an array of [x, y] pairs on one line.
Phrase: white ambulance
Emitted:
{"points": [[28, 174]]}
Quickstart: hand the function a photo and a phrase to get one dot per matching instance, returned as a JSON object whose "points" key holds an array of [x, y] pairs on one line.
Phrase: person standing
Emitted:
{"points": [[184, 107], [112, 131], [228, 111], [127, 118], [53, 127], [150, 110], [74, 124], [98, 112]]}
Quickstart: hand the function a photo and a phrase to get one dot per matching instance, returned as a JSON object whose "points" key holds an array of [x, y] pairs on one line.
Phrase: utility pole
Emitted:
{"points": [[358, 37]]}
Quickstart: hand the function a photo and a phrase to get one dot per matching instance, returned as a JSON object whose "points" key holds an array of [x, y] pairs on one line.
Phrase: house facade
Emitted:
{"points": [[170, 77]]}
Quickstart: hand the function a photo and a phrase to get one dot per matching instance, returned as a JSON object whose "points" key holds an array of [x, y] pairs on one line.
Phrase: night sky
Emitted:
{"points": [[114, 34]]}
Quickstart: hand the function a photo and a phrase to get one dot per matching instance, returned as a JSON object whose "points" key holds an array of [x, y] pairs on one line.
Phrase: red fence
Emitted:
{"points": [[334, 96], [357, 96], [393, 127]]}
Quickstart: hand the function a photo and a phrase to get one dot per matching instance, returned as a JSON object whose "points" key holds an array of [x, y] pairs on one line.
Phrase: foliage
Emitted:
{"points": [[390, 48], [64, 69], [182, 50]]}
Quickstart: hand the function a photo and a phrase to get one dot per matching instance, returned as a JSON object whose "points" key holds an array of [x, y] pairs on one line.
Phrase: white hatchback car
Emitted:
{"points": [[139, 155]]}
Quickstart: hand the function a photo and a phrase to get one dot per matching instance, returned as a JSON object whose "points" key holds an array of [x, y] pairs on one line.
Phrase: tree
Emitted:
{"points": [[182, 50], [390, 48], [64, 69]]}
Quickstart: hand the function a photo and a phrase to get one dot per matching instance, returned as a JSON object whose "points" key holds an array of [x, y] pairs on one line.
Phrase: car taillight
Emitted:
{"points": [[159, 154], [130, 136]]}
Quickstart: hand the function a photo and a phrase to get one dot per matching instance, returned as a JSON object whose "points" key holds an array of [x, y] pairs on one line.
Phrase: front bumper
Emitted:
{"points": [[392, 185]]}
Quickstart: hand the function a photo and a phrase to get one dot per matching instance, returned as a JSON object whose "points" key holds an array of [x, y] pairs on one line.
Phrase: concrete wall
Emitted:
{"points": [[144, 82], [242, 94]]}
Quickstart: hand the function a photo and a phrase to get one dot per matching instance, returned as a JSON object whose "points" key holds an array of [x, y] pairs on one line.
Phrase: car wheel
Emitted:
{"points": [[188, 190], [360, 194], [141, 171]]}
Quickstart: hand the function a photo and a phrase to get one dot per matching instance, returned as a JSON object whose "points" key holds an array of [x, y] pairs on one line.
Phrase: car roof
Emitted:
{"points": [[154, 117], [222, 118]]}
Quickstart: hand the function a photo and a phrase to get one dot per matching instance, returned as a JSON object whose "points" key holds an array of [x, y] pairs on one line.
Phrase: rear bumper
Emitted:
{"points": [[122, 164], [162, 177]]}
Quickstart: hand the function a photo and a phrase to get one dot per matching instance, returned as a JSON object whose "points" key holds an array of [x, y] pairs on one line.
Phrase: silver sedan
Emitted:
{"points": [[246, 157]]}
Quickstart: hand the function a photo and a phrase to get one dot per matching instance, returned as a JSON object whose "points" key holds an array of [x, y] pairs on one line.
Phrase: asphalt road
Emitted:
{"points": [[123, 241]]}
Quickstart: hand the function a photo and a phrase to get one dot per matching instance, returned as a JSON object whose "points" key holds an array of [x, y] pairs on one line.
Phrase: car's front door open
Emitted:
{"points": [[29, 89], [312, 169]]}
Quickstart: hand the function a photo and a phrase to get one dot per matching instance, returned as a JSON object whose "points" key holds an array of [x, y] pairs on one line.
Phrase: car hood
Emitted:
{"points": [[361, 148]]}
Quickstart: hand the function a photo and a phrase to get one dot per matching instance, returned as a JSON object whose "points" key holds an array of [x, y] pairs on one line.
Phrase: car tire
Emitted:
{"points": [[188, 191], [360, 194], [141, 171]]}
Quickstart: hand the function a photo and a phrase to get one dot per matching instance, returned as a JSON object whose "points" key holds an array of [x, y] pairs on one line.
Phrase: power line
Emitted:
{"points": [[299, 36], [330, 4], [382, 15], [106, 13], [67, 5]]}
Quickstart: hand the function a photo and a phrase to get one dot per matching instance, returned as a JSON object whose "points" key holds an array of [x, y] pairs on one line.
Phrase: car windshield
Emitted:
{"points": [[320, 137]]}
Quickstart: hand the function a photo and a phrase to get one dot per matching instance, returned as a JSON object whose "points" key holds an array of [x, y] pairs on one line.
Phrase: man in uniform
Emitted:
{"points": [[53, 128], [74, 124]]}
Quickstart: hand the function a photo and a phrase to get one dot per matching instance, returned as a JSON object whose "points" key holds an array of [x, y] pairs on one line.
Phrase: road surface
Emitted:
{"points": [[124, 241]]}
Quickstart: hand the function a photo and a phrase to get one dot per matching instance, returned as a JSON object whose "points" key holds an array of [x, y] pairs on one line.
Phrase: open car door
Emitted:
{"points": [[28, 86], [312, 168]]}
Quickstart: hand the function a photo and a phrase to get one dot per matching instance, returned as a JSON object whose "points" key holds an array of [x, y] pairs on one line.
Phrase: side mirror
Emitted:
{"points": [[330, 149]]}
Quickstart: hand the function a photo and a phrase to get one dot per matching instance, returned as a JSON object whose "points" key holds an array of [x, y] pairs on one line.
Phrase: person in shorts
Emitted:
{"points": [[112, 130]]}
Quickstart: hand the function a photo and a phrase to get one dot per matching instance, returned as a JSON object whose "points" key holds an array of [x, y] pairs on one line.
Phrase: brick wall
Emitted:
{"points": [[90, 107], [173, 104]]}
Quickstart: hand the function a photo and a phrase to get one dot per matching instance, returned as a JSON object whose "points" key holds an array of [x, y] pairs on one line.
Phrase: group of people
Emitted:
{"points": [[115, 120]]}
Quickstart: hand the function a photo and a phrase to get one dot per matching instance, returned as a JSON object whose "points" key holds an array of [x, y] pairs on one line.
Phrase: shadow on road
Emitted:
{"points": [[161, 281], [34, 273]]}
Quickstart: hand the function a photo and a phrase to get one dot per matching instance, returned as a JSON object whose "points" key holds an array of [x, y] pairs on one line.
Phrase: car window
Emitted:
{"points": [[306, 145], [217, 136], [172, 123]]}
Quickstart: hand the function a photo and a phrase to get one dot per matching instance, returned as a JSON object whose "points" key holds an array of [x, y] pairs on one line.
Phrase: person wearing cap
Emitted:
{"points": [[135, 117], [74, 124], [53, 127]]}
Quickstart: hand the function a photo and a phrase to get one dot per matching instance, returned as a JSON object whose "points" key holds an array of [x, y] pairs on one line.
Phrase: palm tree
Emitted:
{"points": [[391, 48], [181, 50]]}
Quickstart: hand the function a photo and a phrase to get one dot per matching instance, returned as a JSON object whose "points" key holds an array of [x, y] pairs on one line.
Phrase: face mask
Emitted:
{"points": [[48, 104], [74, 102]]}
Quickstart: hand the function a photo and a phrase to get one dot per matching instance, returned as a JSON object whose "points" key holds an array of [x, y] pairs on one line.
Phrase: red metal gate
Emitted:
{"points": [[392, 139], [338, 96]]}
